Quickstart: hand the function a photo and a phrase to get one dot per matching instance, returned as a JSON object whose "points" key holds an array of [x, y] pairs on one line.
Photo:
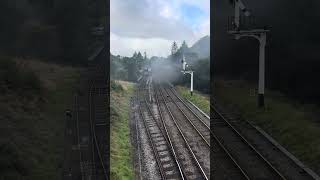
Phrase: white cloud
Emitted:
{"points": [[204, 28], [129, 20], [152, 25], [126, 46], [166, 12]]}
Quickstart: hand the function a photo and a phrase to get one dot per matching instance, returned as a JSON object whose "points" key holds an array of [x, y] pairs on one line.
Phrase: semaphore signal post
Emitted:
{"points": [[260, 34]]}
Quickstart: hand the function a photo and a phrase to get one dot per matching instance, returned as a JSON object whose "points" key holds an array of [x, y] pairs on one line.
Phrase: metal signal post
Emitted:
{"points": [[184, 66], [261, 36]]}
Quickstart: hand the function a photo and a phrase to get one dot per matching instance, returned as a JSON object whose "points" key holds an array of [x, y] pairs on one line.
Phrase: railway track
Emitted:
{"points": [[283, 165], [253, 164], [87, 155], [199, 143], [240, 146], [80, 138], [197, 123], [97, 101], [98, 125], [91, 126], [201, 118], [261, 161], [186, 156], [164, 153], [223, 165], [239, 151]]}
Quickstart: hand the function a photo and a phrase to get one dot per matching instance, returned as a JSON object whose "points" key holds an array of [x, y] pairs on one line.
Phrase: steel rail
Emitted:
{"points": [[195, 128], [78, 133], [185, 140], [221, 146], [181, 100], [169, 139], [138, 143], [309, 172], [151, 142], [247, 143], [152, 145], [93, 131]]}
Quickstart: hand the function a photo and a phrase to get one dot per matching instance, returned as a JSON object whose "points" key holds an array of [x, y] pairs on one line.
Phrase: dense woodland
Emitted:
{"points": [[292, 54]]}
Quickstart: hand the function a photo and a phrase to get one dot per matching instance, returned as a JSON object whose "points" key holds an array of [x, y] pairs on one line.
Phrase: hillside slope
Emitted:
{"points": [[201, 47]]}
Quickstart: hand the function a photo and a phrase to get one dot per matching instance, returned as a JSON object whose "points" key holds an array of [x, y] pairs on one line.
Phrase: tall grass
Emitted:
{"points": [[121, 148]]}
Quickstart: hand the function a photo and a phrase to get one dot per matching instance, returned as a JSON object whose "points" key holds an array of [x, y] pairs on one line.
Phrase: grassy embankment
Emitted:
{"points": [[295, 126], [33, 98], [121, 149], [199, 99]]}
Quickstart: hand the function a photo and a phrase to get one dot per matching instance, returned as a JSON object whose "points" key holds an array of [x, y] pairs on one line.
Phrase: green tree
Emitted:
{"points": [[184, 47], [132, 70], [139, 60], [174, 48]]}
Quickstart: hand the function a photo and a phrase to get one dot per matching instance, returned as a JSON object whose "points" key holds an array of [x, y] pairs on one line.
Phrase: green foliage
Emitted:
{"points": [[14, 78], [199, 99], [127, 68], [174, 48], [115, 86], [132, 70], [118, 68], [202, 75], [121, 157], [32, 127]]}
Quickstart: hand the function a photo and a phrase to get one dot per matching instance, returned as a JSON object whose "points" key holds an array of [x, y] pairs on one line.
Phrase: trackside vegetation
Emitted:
{"points": [[199, 99], [121, 149]]}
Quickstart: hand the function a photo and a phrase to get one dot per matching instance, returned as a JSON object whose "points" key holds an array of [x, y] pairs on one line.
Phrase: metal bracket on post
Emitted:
{"points": [[261, 36]]}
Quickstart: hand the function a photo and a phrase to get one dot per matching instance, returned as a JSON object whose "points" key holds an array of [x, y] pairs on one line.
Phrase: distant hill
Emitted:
{"points": [[201, 47]]}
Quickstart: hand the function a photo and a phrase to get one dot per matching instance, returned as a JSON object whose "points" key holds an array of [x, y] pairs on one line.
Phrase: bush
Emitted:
{"points": [[17, 79], [115, 86]]}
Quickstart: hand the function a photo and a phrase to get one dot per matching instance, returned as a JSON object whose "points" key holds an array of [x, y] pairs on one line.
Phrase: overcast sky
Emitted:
{"points": [[152, 25]]}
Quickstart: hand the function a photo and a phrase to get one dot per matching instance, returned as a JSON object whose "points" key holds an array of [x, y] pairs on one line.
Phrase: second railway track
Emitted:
{"points": [[276, 159]]}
